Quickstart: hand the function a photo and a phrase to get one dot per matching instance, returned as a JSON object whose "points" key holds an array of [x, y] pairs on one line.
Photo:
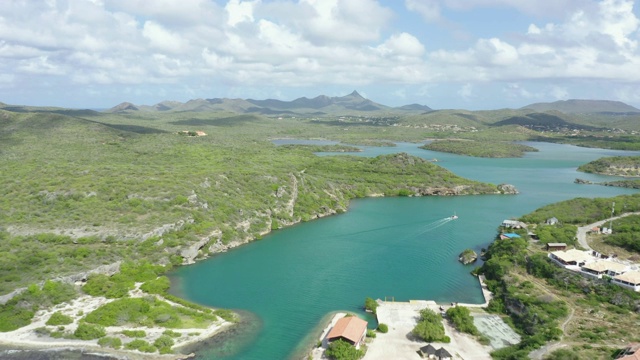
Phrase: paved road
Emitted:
{"points": [[582, 231]]}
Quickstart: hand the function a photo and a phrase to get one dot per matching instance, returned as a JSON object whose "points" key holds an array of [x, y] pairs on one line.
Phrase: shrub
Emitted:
{"points": [[112, 342], [371, 333], [89, 332], [136, 344], [58, 318], [134, 333], [342, 350], [164, 341], [172, 333], [383, 328], [156, 286]]}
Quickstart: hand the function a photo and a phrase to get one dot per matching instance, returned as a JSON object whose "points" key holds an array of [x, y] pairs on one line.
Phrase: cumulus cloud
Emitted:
{"points": [[431, 10], [601, 43], [244, 44]]}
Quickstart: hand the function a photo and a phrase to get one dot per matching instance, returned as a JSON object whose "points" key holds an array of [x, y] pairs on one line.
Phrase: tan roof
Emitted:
{"points": [[556, 244], [604, 266], [349, 327], [572, 255], [632, 277]]}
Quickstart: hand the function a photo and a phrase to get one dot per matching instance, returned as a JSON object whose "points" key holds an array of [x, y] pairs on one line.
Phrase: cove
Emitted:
{"points": [[401, 248]]}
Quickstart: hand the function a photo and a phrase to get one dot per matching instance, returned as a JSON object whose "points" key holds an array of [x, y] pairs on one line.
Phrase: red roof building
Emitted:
{"points": [[632, 352], [349, 328]]}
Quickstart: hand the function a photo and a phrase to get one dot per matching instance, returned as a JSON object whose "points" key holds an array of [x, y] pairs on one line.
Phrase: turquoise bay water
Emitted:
{"points": [[287, 283]]}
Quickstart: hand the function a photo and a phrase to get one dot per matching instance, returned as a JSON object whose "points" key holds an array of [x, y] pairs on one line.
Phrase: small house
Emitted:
{"points": [[552, 221], [514, 224], [570, 257], [430, 352], [351, 329], [443, 354], [556, 246]]}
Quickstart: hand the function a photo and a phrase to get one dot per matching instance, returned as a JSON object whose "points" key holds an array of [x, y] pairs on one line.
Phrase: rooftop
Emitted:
{"points": [[600, 266], [632, 277], [350, 328], [572, 255]]}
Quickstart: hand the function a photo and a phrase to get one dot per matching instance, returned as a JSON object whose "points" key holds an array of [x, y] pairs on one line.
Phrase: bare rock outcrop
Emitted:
{"points": [[508, 189]]}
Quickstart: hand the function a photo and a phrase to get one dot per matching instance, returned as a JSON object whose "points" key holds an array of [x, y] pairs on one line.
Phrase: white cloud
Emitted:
{"points": [[527, 7], [161, 38], [335, 21], [240, 11], [429, 9], [559, 93], [243, 45], [466, 91], [402, 44]]}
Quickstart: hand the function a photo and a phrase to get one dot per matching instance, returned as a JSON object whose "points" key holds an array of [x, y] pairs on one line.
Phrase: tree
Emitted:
{"points": [[461, 318], [430, 327], [370, 305]]}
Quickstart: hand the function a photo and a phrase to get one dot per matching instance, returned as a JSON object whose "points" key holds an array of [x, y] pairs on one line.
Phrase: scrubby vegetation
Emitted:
{"points": [[89, 332], [514, 269], [617, 165], [92, 189], [147, 312], [490, 149], [627, 233], [19, 311], [111, 342], [58, 318], [583, 210]]}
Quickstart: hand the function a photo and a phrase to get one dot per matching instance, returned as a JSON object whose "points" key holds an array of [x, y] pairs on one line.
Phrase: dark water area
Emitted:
{"points": [[393, 248], [6, 354]]}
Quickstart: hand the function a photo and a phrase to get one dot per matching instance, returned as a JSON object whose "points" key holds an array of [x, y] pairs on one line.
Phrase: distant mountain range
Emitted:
{"points": [[319, 105], [353, 103], [584, 107]]}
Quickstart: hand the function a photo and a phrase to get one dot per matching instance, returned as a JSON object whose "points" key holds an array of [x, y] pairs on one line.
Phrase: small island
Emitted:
{"points": [[493, 149], [468, 256], [615, 165]]}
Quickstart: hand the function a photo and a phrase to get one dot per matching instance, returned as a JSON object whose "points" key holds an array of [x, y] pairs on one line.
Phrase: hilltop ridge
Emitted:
{"points": [[578, 106], [321, 104]]}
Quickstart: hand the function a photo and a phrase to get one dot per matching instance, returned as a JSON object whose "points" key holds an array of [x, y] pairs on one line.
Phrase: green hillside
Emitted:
{"points": [[122, 186]]}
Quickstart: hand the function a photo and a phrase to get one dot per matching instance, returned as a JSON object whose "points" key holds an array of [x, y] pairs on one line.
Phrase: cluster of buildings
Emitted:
{"points": [[591, 264], [588, 263]]}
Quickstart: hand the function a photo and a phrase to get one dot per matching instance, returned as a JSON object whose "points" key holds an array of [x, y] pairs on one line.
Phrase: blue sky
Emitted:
{"points": [[471, 54]]}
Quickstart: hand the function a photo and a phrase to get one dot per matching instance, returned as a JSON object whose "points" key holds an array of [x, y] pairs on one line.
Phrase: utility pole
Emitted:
{"points": [[613, 206]]}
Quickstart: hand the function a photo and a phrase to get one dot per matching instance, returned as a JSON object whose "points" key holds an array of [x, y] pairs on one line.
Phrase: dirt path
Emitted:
{"points": [[582, 231]]}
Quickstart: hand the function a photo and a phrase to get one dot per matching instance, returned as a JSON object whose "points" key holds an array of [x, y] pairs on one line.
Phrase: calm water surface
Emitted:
{"points": [[287, 283]]}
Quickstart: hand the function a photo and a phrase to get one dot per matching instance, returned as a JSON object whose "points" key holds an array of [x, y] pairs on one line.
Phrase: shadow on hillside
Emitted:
{"points": [[134, 128], [227, 121]]}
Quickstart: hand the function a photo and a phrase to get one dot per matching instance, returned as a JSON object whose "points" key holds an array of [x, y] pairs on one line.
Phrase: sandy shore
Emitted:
{"points": [[28, 338]]}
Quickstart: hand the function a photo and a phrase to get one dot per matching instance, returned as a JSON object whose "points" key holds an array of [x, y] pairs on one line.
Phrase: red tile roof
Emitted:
{"points": [[349, 327], [632, 352]]}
